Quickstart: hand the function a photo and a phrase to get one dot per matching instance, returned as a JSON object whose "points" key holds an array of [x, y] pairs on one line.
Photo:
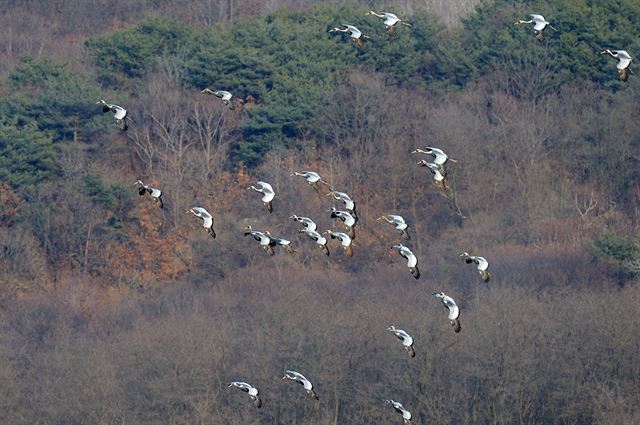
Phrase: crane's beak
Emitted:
{"points": [[379, 218], [292, 174], [284, 377]]}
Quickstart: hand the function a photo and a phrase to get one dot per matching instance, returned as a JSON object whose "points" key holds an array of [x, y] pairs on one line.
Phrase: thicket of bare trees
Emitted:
{"points": [[528, 354]]}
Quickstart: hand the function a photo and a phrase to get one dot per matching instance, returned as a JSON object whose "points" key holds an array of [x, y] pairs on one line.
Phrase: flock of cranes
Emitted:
{"points": [[349, 217]]}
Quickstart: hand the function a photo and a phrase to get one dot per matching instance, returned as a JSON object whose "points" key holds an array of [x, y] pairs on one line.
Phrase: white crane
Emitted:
{"points": [[406, 415], [305, 221], [346, 200], [407, 341], [454, 311], [539, 25], [412, 261], [399, 223], [390, 21], [439, 157], [252, 391], [624, 60], [356, 35], [312, 178], [263, 239], [439, 173], [299, 378], [207, 219], [267, 194], [156, 194], [318, 238], [282, 242], [224, 95], [344, 239], [482, 264], [347, 219], [119, 113]]}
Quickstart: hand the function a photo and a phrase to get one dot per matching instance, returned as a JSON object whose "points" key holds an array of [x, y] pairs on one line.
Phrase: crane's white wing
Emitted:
{"points": [[623, 63], [119, 112], [412, 261], [454, 311], [390, 19], [404, 337], [353, 31], [481, 262], [267, 190]]}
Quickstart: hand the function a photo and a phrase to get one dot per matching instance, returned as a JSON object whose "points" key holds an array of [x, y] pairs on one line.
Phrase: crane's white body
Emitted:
{"points": [[224, 95], [450, 304], [262, 239], [318, 238], [405, 338], [267, 191], [412, 260], [201, 213], [436, 170], [624, 58], [310, 176], [119, 113], [300, 378], [278, 241], [155, 193], [353, 32], [341, 196], [539, 25], [481, 263], [344, 239], [406, 415], [390, 21], [305, 221], [405, 252], [439, 157], [267, 194], [398, 222], [252, 391], [344, 216]]}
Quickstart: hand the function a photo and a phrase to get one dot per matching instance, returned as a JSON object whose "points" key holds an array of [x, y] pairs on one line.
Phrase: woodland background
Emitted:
{"points": [[113, 311]]}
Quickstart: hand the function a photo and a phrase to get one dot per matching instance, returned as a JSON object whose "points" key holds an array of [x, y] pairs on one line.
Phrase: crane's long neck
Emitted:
{"points": [[376, 14]]}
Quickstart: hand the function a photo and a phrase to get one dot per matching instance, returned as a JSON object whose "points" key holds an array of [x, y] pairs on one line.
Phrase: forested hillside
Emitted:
{"points": [[113, 310]]}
